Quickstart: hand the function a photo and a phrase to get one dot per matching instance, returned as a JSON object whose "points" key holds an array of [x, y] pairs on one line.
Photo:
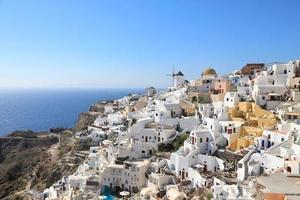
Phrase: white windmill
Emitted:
{"points": [[178, 78]]}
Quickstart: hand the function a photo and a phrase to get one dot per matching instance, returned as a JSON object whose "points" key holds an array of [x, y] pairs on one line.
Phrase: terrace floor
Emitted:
{"points": [[280, 183]]}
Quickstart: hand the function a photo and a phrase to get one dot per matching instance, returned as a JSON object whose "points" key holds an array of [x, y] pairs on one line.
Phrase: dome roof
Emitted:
{"points": [[209, 72]]}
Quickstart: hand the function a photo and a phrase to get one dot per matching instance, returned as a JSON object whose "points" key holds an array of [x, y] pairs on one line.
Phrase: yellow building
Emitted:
{"points": [[255, 121], [188, 108]]}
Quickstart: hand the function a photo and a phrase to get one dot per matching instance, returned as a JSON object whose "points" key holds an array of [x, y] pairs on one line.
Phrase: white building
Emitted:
{"points": [[230, 130], [271, 137], [201, 140], [222, 191], [269, 96], [178, 79], [231, 99], [150, 91], [128, 176]]}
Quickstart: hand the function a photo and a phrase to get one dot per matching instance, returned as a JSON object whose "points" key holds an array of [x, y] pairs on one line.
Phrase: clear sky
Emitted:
{"points": [[127, 43]]}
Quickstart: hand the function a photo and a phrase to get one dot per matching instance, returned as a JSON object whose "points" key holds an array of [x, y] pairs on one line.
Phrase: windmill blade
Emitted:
{"points": [[170, 75]]}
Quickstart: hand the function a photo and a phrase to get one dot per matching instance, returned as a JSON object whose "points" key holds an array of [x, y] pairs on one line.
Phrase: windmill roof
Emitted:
{"points": [[179, 74]]}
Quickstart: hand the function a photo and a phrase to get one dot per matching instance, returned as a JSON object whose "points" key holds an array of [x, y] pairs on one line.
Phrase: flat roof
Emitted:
{"points": [[293, 113], [113, 165], [285, 184]]}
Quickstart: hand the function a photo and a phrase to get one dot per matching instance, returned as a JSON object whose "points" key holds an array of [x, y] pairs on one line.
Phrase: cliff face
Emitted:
{"points": [[86, 119], [18, 157], [35, 163]]}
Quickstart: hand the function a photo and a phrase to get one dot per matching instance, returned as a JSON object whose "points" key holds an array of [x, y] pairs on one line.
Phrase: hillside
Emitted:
{"points": [[34, 161]]}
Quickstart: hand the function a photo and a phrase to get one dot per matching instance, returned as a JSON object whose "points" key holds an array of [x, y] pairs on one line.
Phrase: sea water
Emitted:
{"points": [[42, 109]]}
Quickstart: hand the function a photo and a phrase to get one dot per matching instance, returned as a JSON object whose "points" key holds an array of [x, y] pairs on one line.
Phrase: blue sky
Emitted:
{"points": [[125, 44]]}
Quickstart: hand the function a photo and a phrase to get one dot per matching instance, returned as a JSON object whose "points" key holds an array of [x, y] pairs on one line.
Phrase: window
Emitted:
{"points": [[263, 97], [200, 140], [227, 99], [207, 139]]}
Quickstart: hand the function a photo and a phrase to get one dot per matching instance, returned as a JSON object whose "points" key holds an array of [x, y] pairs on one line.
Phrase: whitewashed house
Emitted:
{"points": [[269, 96], [150, 91], [230, 130], [128, 176], [200, 142], [271, 137], [231, 99], [223, 191]]}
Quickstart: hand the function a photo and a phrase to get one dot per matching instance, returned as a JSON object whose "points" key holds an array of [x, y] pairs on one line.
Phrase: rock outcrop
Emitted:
{"points": [[85, 119]]}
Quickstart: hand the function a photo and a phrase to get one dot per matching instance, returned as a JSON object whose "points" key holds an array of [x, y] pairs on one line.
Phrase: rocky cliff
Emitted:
{"points": [[32, 162], [86, 119]]}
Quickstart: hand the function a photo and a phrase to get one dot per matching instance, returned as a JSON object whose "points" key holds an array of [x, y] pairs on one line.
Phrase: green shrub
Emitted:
{"points": [[174, 145], [178, 142]]}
